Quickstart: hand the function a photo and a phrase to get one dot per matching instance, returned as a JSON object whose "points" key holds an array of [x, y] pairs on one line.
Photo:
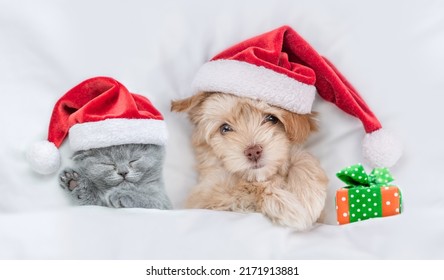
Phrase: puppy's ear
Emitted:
{"points": [[188, 104], [299, 127]]}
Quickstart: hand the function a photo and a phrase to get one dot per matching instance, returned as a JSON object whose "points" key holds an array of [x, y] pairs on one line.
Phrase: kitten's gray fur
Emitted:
{"points": [[118, 176]]}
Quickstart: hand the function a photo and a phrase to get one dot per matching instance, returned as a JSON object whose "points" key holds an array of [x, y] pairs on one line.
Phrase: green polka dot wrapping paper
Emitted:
{"points": [[366, 196]]}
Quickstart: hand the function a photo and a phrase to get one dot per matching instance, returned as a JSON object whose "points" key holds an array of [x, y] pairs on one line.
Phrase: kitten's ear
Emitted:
{"points": [[81, 155], [299, 127], [188, 104]]}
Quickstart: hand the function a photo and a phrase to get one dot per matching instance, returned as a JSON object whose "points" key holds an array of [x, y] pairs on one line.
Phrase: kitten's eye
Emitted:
{"points": [[271, 118], [132, 162], [225, 128], [108, 164]]}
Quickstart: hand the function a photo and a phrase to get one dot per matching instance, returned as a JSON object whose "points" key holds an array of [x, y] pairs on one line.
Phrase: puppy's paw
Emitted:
{"points": [[69, 179], [283, 208]]}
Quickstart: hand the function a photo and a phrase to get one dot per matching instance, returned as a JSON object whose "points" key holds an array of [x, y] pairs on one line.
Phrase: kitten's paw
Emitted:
{"points": [[69, 179], [136, 200], [121, 201]]}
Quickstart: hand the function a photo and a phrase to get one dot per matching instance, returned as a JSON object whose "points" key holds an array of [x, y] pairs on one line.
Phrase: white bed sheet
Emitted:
{"points": [[391, 52]]}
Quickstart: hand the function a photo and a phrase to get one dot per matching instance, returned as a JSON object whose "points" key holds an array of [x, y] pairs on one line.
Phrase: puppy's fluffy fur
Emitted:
{"points": [[279, 179]]}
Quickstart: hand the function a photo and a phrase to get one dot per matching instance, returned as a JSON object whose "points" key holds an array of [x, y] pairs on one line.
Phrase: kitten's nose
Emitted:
{"points": [[253, 153], [123, 173]]}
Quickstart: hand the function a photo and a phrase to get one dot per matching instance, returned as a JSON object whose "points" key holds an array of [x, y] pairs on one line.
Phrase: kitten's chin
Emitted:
{"points": [[126, 183], [119, 183]]}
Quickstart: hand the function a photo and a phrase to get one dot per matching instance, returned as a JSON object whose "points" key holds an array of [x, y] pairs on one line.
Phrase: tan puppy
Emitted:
{"points": [[250, 159]]}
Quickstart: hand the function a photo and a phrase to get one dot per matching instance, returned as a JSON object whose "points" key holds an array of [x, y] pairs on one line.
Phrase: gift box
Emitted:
{"points": [[366, 196]]}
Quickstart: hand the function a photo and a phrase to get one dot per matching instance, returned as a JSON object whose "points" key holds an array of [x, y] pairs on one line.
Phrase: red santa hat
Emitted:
{"points": [[281, 68], [99, 112]]}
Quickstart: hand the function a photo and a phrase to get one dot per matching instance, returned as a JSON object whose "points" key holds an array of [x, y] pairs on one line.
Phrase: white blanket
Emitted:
{"points": [[391, 51]]}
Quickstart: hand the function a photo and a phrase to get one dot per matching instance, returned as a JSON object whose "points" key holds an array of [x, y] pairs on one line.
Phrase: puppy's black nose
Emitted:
{"points": [[253, 153]]}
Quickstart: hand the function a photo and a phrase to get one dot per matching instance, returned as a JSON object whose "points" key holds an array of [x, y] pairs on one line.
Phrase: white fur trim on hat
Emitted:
{"points": [[44, 157], [256, 82], [110, 132], [381, 148]]}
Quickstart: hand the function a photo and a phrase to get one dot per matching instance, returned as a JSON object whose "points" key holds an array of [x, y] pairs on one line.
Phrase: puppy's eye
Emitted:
{"points": [[225, 128], [271, 118]]}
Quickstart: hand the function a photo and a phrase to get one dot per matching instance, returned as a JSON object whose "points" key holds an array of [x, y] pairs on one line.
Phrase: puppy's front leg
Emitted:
{"points": [[299, 200], [308, 181], [284, 208]]}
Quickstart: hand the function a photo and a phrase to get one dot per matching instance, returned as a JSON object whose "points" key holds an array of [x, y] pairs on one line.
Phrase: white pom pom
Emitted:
{"points": [[381, 148], [44, 157]]}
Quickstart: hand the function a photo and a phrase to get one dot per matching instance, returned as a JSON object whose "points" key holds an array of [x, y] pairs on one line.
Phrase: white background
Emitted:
{"points": [[391, 51]]}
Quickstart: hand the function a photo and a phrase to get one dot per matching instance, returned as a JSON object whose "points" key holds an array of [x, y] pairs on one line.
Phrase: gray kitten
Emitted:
{"points": [[118, 176]]}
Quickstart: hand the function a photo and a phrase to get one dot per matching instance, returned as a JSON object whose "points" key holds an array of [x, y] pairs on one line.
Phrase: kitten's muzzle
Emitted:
{"points": [[123, 173]]}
